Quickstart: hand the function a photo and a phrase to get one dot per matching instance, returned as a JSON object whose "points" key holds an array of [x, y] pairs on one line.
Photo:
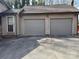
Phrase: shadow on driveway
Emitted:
{"points": [[18, 48]]}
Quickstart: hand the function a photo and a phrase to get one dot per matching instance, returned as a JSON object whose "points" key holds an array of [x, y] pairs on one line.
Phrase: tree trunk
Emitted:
{"points": [[72, 3]]}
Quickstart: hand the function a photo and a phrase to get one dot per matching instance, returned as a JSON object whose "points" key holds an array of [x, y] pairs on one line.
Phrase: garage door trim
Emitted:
{"points": [[36, 19], [59, 19]]}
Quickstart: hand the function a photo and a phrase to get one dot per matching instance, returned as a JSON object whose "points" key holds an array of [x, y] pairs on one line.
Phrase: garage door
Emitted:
{"points": [[61, 26], [34, 27]]}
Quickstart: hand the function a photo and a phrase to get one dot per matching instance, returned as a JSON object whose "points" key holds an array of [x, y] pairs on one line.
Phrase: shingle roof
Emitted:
{"points": [[13, 11], [4, 3], [50, 9]]}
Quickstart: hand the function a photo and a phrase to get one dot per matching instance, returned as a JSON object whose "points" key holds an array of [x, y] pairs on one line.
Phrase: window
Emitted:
{"points": [[11, 23]]}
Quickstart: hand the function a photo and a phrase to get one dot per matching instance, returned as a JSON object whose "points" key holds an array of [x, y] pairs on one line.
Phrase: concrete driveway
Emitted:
{"points": [[40, 48]]}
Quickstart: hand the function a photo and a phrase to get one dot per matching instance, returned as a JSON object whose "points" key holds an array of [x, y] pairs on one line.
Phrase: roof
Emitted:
{"points": [[13, 11], [10, 12], [4, 3], [49, 9]]}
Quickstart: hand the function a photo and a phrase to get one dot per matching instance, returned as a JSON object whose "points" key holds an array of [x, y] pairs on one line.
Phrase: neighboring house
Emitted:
{"points": [[41, 20], [3, 7]]}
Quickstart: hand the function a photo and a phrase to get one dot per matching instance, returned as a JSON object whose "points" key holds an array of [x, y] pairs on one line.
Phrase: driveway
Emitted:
{"points": [[40, 48]]}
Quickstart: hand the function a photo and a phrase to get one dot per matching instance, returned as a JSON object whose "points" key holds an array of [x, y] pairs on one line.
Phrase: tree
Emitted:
{"points": [[34, 2], [41, 2], [9, 4], [27, 2], [17, 4], [23, 3], [72, 3]]}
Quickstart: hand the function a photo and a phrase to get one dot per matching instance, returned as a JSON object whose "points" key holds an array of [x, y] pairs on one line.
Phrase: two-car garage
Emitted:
{"points": [[49, 20], [55, 20], [58, 26]]}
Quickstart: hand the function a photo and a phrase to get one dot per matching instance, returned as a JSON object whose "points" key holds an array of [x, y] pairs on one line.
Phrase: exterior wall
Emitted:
{"points": [[47, 17], [5, 26], [60, 15], [70, 16], [47, 21], [47, 25], [74, 24], [17, 24], [0, 29]]}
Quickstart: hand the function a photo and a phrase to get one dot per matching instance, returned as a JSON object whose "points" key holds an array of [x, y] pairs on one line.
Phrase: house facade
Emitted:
{"points": [[3, 8], [41, 20]]}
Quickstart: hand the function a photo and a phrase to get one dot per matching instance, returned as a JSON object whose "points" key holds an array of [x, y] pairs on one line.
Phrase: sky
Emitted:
{"points": [[77, 3]]}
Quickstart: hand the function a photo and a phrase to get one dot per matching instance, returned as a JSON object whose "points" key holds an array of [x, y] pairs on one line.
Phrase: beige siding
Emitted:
{"points": [[34, 16], [60, 15], [20, 22], [29, 17], [47, 21], [74, 24], [5, 26], [47, 25], [19, 25], [71, 16]]}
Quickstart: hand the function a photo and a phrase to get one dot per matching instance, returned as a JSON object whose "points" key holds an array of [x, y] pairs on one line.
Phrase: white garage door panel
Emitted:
{"points": [[61, 26], [33, 27]]}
